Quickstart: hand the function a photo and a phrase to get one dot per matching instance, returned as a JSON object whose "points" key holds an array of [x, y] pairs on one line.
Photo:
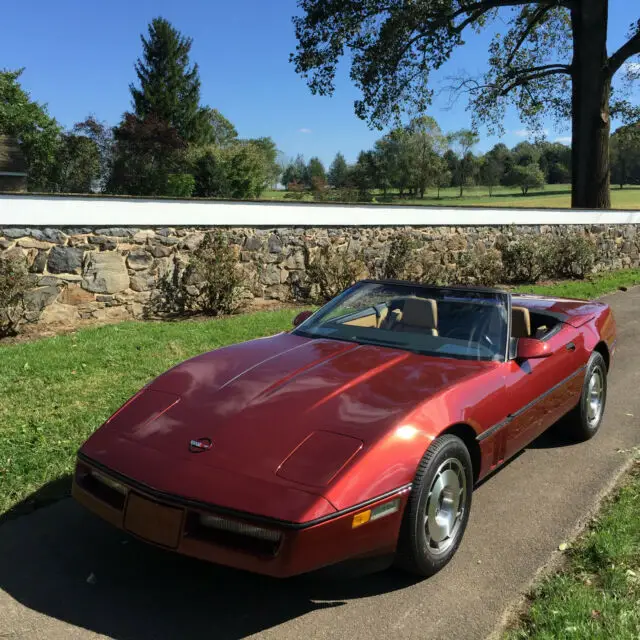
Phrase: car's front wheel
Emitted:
{"points": [[437, 512]]}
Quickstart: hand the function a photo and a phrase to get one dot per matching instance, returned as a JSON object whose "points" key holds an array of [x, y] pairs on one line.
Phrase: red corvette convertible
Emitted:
{"points": [[360, 433]]}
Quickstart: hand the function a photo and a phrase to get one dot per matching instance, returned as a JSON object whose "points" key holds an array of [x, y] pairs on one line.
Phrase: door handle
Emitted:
{"points": [[570, 346]]}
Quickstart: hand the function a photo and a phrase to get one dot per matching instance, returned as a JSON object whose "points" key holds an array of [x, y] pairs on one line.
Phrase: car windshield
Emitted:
{"points": [[458, 323]]}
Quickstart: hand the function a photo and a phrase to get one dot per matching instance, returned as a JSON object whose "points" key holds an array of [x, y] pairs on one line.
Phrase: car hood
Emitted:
{"points": [[258, 401]]}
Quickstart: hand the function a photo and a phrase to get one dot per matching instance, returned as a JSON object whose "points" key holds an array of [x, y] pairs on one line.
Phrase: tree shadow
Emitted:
{"points": [[66, 563]]}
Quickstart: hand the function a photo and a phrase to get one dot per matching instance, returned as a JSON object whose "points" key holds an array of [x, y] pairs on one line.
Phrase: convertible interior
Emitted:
{"points": [[445, 318]]}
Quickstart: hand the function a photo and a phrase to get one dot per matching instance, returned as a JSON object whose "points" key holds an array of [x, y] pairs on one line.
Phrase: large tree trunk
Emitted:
{"points": [[591, 89]]}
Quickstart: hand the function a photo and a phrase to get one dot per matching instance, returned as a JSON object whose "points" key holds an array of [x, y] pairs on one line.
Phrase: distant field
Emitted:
{"points": [[553, 196]]}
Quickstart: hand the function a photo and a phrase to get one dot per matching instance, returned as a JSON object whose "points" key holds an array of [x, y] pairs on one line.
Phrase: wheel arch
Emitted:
{"points": [[468, 435], [603, 350]]}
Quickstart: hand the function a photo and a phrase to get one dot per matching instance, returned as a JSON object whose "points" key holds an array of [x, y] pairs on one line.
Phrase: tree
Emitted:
{"points": [[338, 172], [146, 153], [316, 173], [551, 58], [221, 133], [526, 177], [296, 173], [77, 164], [461, 144], [625, 155], [442, 175], [491, 171], [525, 153], [428, 143], [38, 134], [169, 86], [102, 137]]}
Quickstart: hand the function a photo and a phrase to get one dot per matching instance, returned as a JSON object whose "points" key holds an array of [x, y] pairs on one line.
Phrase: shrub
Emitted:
{"points": [[528, 258], [210, 283], [400, 262], [432, 271], [573, 255], [180, 185], [14, 284], [484, 268], [526, 177], [213, 274], [331, 271]]}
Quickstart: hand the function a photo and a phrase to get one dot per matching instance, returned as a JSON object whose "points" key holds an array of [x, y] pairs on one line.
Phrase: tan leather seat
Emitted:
{"points": [[419, 315], [520, 322]]}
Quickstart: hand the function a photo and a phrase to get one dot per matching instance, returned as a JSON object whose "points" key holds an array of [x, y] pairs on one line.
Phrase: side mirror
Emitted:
{"points": [[301, 317], [529, 348]]}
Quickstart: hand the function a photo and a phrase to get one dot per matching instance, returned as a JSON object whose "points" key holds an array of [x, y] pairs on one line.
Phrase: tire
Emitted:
{"points": [[423, 545], [585, 420]]}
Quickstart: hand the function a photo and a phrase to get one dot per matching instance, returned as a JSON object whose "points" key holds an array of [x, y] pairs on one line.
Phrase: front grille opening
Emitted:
{"points": [[91, 484], [227, 537]]}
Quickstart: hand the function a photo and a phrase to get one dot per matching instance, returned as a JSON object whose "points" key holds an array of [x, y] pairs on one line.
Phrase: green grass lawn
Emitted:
{"points": [[553, 196], [56, 391], [594, 287], [597, 595]]}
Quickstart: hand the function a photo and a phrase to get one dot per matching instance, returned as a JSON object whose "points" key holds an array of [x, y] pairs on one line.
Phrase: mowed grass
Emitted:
{"points": [[597, 595], [556, 196], [593, 287], [56, 391]]}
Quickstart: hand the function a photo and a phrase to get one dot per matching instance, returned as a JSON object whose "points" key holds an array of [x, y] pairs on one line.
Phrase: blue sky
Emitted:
{"points": [[79, 59]]}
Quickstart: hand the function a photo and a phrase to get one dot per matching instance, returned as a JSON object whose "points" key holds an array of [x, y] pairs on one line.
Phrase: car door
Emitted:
{"points": [[538, 391]]}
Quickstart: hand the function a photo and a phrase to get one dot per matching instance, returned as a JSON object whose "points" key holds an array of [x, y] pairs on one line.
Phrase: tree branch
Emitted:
{"points": [[535, 19], [631, 48], [540, 72]]}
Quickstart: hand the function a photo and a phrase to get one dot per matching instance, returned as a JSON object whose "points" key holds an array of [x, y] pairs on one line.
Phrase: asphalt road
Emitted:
{"points": [[136, 592]]}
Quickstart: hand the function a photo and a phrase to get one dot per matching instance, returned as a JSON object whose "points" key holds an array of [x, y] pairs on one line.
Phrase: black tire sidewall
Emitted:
{"points": [[416, 555], [584, 429]]}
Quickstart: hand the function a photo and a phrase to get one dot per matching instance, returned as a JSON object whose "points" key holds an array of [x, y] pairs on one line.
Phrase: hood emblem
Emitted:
{"points": [[200, 445]]}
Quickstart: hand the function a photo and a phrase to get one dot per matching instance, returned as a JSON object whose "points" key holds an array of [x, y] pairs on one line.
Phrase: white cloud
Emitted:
{"points": [[528, 133], [563, 139], [304, 130]]}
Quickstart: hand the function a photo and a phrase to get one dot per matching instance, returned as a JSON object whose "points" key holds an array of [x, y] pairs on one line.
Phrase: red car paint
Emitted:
{"points": [[304, 429]]}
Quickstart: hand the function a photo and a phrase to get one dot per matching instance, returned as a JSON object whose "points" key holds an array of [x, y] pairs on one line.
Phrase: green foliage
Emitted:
{"points": [[483, 268], [169, 87], [222, 133], [14, 284], [210, 283], [77, 165], [146, 152], [400, 262], [214, 274], [331, 271], [625, 155], [338, 172], [526, 177], [101, 135], [433, 270], [574, 255], [528, 258], [29, 122], [180, 185]]}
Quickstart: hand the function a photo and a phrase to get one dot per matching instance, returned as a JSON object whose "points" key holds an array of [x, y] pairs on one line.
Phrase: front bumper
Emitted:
{"points": [[172, 522]]}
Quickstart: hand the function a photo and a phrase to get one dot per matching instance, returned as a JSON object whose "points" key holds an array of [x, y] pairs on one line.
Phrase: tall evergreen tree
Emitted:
{"points": [[338, 172], [169, 86]]}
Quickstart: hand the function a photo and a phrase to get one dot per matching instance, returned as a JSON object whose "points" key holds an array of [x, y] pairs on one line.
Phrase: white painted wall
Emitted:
{"points": [[17, 211]]}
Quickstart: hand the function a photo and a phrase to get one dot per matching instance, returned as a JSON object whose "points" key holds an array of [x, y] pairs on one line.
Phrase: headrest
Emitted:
{"points": [[420, 312], [520, 322]]}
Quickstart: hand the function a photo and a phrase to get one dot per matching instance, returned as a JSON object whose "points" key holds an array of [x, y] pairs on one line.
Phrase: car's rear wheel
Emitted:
{"points": [[585, 420], [437, 512]]}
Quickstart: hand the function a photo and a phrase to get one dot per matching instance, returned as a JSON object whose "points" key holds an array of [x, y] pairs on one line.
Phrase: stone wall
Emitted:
{"points": [[112, 273]]}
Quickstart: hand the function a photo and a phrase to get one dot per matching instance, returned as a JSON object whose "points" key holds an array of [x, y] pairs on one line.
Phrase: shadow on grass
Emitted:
{"points": [[45, 495]]}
